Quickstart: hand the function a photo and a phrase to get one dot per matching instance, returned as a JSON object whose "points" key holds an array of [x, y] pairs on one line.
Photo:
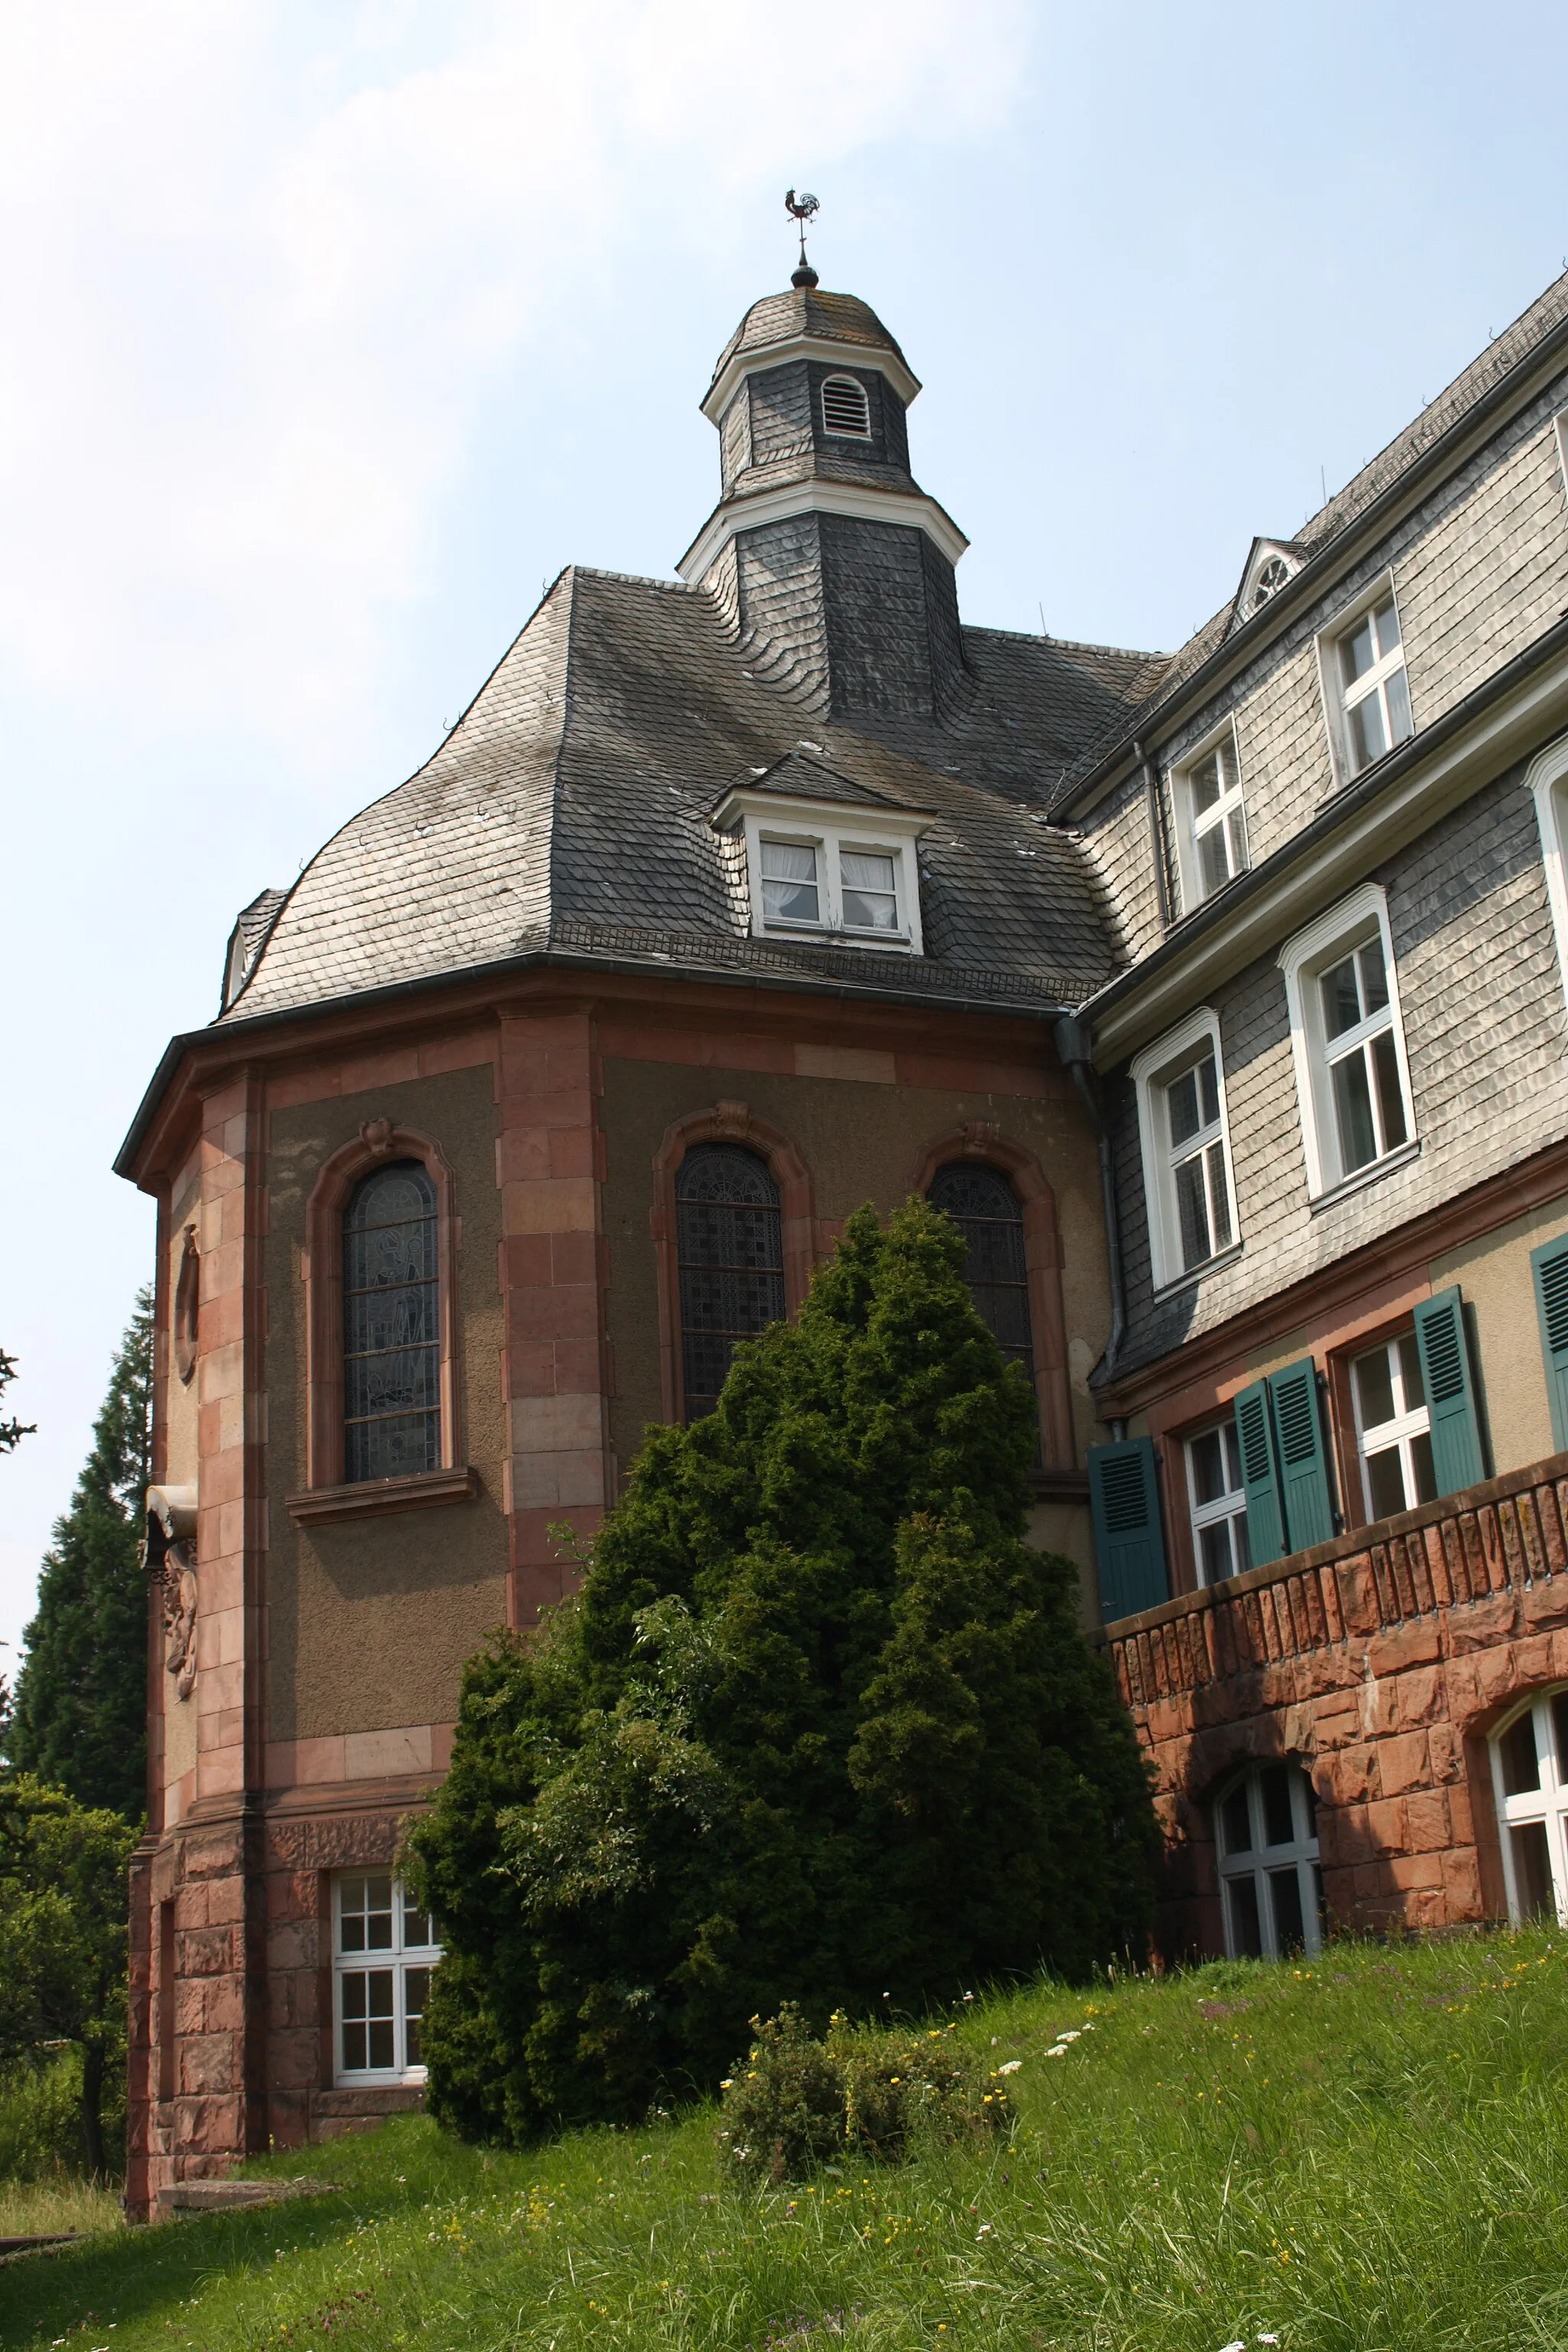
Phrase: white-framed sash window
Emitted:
{"points": [[1367, 690], [1270, 1881], [1185, 1141], [1211, 820], [1218, 1502], [847, 874], [1392, 1439], [1530, 1783], [383, 1950], [1547, 781], [1348, 1042]]}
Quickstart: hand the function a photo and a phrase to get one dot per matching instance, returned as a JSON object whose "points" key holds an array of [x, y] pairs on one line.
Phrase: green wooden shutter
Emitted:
{"points": [[1259, 1475], [1129, 1549], [1457, 1455], [1303, 1458], [1549, 1265]]}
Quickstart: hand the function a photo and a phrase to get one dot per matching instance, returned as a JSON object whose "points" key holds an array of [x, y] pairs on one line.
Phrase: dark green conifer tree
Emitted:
{"points": [[79, 1707], [819, 1727]]}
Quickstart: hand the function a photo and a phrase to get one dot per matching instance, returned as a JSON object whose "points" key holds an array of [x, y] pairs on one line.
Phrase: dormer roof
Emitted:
{"points": [[1270, 564], [796, 778]]}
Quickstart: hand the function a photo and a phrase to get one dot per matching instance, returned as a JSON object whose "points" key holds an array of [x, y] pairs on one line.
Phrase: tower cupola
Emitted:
{"points": [[824, 547]]}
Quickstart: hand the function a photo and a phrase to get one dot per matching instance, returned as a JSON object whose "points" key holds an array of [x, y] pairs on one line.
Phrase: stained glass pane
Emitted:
{"points": [[390, 1342], [987, 1212], [730, 1249]]}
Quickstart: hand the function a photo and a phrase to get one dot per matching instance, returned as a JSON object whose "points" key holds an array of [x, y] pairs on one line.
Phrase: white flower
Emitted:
{"points": [[1057, 2053], [984, 2232], [1268, 2339], [1239, 2345], [1010, 2066]]}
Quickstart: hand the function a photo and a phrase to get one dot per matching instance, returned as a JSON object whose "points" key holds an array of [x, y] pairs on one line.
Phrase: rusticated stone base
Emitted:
{"points": [[1379, 1663], [231, 1996]]}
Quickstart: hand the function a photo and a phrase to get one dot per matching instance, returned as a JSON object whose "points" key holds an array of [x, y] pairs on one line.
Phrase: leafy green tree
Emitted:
{"points": [[819, 1727], [63, 1938], [80, 1700], [12, 1431]]}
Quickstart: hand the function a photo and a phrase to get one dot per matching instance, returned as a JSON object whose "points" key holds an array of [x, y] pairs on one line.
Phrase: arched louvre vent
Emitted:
{"points": [[730, 1247], [988, 1213], [846, 410]]}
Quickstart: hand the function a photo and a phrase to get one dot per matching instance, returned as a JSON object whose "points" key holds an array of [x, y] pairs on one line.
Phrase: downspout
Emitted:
{"points": [[1159, 843], [1072, 1046]]}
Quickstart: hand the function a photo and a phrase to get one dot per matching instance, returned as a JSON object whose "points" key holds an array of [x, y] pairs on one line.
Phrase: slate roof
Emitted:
{"points": [[1504, 353], [806, 310], [569, 810]]}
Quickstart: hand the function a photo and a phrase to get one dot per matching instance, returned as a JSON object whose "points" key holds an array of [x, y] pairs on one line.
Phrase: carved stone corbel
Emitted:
{"points": [[169, 1553]]}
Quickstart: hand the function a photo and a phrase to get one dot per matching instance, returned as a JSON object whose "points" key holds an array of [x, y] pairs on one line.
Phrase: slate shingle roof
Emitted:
{"points": [[570, 808], [1501, 355], [806, 310]]}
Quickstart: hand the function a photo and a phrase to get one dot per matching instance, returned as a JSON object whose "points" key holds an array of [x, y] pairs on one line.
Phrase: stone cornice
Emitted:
{"points": [[909, 511], [824, 349]]}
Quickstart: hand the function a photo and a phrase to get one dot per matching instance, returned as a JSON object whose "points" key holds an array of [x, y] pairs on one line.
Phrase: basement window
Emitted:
{"points": [[1272, 1885], [1529, 1781], [846, 408], [383, 1950]]}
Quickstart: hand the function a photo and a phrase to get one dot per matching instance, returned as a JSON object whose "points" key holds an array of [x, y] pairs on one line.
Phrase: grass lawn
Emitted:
{"points": [[1366, 2154]]}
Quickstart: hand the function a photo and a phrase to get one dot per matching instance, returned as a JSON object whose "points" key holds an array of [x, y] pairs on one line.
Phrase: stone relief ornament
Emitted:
{"points": [[169, 1553]]}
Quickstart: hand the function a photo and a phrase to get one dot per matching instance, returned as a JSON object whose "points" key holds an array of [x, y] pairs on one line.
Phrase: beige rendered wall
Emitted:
{"points": [[369, 1621], [1494, 1274]]}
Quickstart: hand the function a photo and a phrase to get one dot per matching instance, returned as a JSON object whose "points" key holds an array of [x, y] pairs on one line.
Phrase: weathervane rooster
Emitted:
{"points": [[800, 210]]}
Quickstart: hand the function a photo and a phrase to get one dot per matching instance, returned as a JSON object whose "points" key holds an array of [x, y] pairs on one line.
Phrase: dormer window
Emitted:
{"points": [[825, 858], [832, 884], [846, 409], [1269, 581]]}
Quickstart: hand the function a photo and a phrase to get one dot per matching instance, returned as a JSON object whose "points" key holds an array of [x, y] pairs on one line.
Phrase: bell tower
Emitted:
{"points": [[832, 563]]}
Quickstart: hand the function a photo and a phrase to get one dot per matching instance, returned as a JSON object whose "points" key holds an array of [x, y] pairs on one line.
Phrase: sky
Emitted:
{"points": [[333, 331]]}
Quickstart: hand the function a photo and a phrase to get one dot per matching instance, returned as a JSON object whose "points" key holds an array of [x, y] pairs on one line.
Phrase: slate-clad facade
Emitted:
{"points": [[784, 861]]}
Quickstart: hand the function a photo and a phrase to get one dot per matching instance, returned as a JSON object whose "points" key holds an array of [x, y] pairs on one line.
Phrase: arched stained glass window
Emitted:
{"points": [[391, 1355], [730, 1249], [988, 1212]]}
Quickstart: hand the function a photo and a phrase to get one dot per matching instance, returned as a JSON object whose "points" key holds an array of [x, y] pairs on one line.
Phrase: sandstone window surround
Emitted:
{"points": [[1271, 1878], [1530, 1784], [1347, 1042], [733, 1124], [846, 408], [1366, 692], [1183, 1133], [383, 1950], [1216, 1502], [1211, 818], [982, 1143], [328, 1493]]}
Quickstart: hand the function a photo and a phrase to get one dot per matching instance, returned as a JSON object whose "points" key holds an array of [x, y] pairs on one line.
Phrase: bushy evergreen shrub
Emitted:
{"points": [[794, 2103], [818, 1727]]}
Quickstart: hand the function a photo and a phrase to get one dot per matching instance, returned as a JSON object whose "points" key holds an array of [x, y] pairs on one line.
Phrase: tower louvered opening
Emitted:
{"points": [[846, 409]]}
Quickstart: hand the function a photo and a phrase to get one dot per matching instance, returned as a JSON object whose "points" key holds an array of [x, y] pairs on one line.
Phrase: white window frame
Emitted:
{"points": [[1160, 1066], [1546, 779], [1338, 701], [1259, 1862], [803, 824], [1191, 829], [1226, 1510], [1303, 959], [837, 432], [1547, 1804], [397, 1959], [1408, 1422]]}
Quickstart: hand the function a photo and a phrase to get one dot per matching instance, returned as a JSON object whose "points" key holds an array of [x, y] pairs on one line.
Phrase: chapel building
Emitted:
{"points": [[1219, 996]]}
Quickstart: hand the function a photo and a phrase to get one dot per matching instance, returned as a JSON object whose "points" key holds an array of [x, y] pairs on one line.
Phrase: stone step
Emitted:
{"points": [[231, 2196]]}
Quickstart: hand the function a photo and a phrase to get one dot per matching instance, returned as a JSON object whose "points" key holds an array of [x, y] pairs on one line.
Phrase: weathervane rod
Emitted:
{"points": [[800, 209]]}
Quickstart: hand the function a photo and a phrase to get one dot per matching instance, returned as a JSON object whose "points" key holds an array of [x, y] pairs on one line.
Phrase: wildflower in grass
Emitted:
{"points": [[1009, 2066]]}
